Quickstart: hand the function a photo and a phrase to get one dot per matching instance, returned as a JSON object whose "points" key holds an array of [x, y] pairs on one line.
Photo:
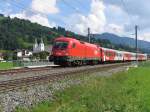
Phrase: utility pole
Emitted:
{"points": [[136, 42], [89, 35]]}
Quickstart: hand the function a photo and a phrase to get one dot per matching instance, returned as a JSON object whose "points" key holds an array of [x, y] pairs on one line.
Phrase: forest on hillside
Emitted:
{"points": [[18, 33]]}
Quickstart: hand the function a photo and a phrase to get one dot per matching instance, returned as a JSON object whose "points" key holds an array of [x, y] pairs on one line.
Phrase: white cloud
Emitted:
{"points": [[100, 19], [114, 28], [36, 18], [138, 11], [95, 20], [127, 17], [145, 36], [44, 6], [114, 14], [116, 19], [38, 12]]}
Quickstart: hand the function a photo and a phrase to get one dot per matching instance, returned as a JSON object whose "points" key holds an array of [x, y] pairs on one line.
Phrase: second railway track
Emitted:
{"points": [[23, 70]]}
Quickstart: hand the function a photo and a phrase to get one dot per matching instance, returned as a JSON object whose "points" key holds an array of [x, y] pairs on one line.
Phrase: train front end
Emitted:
{"points": [[60, 51]]}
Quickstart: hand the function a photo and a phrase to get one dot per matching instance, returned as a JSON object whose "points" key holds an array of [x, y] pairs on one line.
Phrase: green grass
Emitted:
{"points": [[6, 65], [127, 91]]}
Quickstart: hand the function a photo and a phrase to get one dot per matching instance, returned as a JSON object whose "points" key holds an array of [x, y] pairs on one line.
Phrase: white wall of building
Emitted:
{"points": [[24, 53]]}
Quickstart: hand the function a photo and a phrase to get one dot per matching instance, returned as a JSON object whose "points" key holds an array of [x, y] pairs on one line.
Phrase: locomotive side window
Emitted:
{"points": [[60, 45], [73, 45]]}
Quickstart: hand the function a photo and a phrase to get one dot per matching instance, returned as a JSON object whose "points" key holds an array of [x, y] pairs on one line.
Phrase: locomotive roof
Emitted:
{"points": [[62, 38], [122, 51], [65, 38]]}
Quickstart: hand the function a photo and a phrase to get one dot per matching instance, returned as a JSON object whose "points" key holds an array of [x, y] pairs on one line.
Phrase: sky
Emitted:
{"points": [[113, 16]]}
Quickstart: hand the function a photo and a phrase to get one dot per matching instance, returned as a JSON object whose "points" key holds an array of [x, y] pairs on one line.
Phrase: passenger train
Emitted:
{"points": [[68, 51]]}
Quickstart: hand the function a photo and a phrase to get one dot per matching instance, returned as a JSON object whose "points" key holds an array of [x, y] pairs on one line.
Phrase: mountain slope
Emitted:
{"points": [[123, 41]]}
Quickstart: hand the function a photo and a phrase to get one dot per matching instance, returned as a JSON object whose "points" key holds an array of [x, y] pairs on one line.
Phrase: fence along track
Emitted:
{"points": [[15, 84]]}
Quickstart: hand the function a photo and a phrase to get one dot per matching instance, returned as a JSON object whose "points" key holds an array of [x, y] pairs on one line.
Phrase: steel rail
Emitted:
{"points": [[11, 85]]}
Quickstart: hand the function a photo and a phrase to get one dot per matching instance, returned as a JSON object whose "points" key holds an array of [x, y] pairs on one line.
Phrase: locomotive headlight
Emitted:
{"points": [[66, 54]]}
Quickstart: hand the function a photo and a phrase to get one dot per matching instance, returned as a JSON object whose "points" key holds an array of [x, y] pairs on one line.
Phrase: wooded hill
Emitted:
{"points": [[20, 34]]}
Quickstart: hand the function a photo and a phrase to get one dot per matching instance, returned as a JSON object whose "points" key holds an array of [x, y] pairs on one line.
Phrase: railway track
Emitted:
{"points": [[23, 70], [15, 84]]}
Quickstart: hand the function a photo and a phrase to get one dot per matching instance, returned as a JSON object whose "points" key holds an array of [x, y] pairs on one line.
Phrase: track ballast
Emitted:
{"points": [[53, 75]]}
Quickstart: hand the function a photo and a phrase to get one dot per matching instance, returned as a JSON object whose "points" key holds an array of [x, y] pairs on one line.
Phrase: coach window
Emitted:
{"points": [[117, 54], [120, 55], [106, 53], [73, 45]]}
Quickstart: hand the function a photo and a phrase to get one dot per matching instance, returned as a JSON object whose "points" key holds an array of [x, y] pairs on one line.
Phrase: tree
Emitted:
{"points": [[8, 56], [41, 55]]}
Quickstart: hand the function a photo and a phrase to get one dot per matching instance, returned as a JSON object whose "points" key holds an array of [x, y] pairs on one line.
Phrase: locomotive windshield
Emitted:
{"points": [[60, 45]]}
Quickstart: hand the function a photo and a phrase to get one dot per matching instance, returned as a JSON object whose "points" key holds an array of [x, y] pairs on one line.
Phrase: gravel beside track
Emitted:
{"points": [[10, 83], [29, 94]]}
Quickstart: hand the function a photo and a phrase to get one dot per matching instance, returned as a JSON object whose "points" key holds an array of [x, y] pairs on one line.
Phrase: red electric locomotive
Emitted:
{"points": [[69, 51]]}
